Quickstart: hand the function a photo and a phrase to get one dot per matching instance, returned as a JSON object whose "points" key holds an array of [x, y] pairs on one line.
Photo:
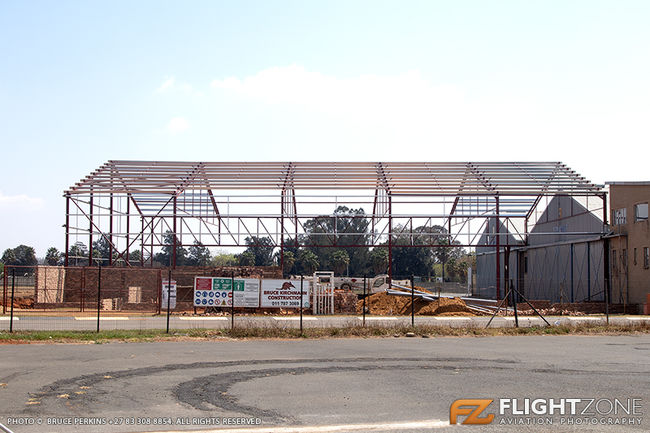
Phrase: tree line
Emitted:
{"points": [[338, 242]]}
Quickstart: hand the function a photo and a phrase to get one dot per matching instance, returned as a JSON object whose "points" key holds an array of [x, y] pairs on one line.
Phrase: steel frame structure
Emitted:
{"points": [[132, 204]]}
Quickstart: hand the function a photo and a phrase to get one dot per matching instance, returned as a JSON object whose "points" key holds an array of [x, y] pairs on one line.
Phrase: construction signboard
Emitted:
{"points": [[283, 294], [218, 292]]}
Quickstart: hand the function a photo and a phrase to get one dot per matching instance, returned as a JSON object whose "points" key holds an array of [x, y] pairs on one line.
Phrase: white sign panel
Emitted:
{"points": [[217, 292], [283, 294], [250, 297], [171, 289]]}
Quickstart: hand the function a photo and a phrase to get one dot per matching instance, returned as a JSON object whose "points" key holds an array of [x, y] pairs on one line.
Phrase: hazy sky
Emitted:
{"points": [[84, 82]]}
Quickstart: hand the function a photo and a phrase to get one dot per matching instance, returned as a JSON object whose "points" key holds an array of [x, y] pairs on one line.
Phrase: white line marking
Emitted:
{"points": [[393, 426], [294, 318], [101, 318], [8, 318], [378, 318], [202, 318], [638, 318], [452, 318], [584, 318]]}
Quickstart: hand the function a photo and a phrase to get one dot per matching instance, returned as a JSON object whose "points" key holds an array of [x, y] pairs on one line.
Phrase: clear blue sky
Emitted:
{"points": [[84, 82]]}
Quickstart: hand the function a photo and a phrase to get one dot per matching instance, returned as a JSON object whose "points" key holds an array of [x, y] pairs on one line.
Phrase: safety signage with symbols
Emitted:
{"points": [[217, 292]]}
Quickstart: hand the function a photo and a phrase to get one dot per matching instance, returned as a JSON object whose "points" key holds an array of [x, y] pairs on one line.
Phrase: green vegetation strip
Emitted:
{"points": [[279, 332]]}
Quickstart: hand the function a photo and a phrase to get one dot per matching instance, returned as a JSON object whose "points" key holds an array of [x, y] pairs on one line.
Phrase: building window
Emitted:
{"points": [[646, 257], [641, 212], [619, 216], [624, 259], [635, 257], [615, 261]]}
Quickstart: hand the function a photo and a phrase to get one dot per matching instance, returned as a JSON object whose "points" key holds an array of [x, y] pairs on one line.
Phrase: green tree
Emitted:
{"points": [[340, 261], [346, 229], [135, 257], [9, 257], [419, 261], [457, 268], [379, 260], [22, 255], [224, 259], [53, 257], [78, 254], [289, 263], [101, 251], [411, 259], [199, 255], [444, 254], [164, 257], [262, 250], [307, 262], [246, 258]]}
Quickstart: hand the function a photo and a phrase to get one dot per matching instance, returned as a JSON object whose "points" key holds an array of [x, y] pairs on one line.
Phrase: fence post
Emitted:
{"points": [[13, 287], [412, 302], [514, 301], [232, 301], [4, 289], [169, 295], [364, 301], [99, 290], [83, 289], [301, 281]]}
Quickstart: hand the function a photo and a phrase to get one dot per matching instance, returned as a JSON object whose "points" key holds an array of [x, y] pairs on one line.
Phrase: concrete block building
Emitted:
{"points": [[630, 241]]}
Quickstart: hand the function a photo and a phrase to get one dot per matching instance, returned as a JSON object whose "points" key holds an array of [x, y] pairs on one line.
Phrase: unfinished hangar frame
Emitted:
{"points": [[133, 204]]}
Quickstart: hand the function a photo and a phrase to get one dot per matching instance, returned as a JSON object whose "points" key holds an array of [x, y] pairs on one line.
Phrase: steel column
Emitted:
{"points": [[498, 251], [90, 232], [390, 239], [128, 230], [67, 230], [175, 241], [110, 231]]}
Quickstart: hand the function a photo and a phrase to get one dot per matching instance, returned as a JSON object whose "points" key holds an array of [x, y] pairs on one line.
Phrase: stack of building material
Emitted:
{"points": [[345, 302]]}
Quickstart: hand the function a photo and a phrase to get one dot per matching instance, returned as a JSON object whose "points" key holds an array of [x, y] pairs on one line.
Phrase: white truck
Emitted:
{"points": [[375, 284]]}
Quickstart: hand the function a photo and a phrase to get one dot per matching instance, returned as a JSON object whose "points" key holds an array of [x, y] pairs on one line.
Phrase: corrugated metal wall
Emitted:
{"points": [[554, 266]]}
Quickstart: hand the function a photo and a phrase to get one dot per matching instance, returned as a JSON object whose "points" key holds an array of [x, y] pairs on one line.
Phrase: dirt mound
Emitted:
{"points": [[22, 303], [385, 304]]}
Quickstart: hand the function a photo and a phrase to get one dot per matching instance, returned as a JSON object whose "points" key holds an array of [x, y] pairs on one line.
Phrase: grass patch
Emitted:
{"points": [[243, 332]]}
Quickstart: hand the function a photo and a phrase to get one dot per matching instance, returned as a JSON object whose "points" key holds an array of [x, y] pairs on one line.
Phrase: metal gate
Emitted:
{"points": [[323, 293]]}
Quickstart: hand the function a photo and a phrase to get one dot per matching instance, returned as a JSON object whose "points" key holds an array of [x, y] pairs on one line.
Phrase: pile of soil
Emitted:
{"points": [[23, 303], [385, 304]]}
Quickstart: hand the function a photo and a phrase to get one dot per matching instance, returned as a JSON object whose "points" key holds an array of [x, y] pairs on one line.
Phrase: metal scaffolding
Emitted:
{"points": [[133, 204]]}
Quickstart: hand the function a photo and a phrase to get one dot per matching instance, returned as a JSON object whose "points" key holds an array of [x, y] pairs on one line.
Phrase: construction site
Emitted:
{"points": [[538, 232]]}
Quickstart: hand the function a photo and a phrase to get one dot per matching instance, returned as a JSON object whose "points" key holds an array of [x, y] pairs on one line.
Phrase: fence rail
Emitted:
{"points": [[89, 298]]}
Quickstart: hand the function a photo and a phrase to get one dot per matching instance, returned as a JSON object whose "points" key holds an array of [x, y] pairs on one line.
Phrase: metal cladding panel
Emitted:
{"points": [[564, 215], [550, 276]]}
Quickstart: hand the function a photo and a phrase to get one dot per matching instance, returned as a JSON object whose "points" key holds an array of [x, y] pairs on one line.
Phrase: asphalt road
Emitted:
{"points": [[382, 384], [109, 322]]}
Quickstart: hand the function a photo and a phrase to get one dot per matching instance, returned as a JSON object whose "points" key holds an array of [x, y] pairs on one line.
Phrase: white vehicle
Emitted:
{"points": [[375, 284]]}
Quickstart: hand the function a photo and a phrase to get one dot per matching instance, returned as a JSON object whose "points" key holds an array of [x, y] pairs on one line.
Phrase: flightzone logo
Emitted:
{"points": [[471, 408], [548, 411]]}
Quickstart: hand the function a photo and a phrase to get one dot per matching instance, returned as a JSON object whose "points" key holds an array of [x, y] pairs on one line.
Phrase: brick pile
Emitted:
{"points": [[345, 302], [49, 282]]}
